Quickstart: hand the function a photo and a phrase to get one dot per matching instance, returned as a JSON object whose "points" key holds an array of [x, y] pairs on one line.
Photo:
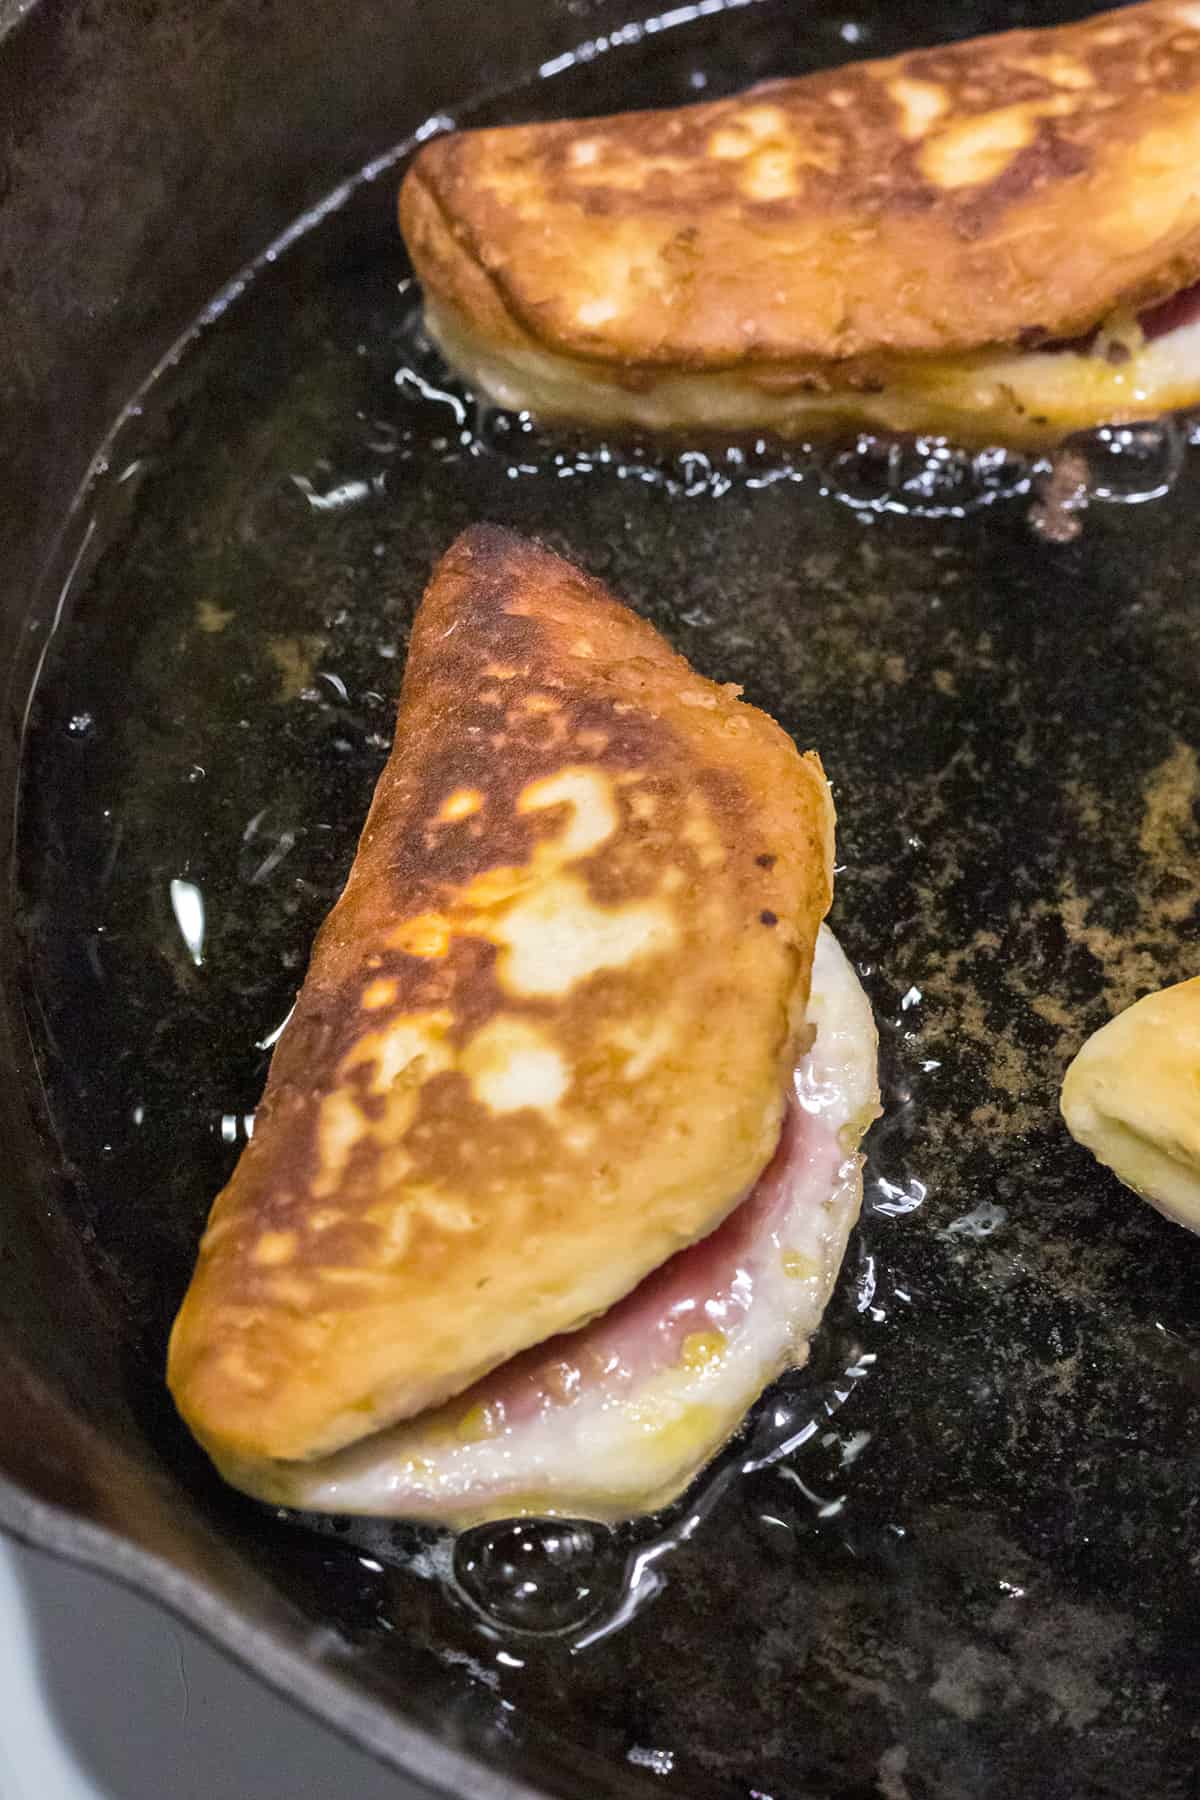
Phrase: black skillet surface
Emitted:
{"points": [[978, 1576]]}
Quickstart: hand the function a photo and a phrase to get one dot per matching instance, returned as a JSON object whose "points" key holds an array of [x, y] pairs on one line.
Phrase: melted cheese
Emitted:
{"points": [[1026, 397]]}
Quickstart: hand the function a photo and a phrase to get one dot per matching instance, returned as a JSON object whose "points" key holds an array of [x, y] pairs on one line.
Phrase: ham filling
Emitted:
{"points": [[708, 1288]]}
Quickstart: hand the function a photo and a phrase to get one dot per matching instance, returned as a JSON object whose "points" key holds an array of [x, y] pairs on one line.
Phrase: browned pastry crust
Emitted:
{"points": [[972, 195], [544, 1037]]}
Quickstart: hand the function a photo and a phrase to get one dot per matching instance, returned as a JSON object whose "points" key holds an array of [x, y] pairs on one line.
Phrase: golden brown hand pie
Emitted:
{"points": [[1132, 1096], [547, 1034], [905, 243]]}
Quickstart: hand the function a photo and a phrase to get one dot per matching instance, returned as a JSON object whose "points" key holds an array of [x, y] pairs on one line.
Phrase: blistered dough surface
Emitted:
{"points": [[997, 192]]}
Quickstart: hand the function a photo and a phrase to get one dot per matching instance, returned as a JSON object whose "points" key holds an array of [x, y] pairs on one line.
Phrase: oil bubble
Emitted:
{"points": [[542, 1576], [922, 477], [1131, 464]]}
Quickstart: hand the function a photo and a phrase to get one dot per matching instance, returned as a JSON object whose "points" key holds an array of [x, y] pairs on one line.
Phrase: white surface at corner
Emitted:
{"points": [[103, 1696]]}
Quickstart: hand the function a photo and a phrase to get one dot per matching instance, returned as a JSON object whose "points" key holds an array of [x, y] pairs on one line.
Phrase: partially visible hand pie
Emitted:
{"points": [[993, 238], [1132, 1096]]}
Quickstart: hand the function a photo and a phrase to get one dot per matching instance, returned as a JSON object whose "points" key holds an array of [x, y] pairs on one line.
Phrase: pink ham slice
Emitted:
{"points": [[1181, 309], [708, 1287]]}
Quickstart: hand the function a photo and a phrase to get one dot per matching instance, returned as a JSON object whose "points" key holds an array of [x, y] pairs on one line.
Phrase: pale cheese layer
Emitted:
{"points": [[1024, 397]]}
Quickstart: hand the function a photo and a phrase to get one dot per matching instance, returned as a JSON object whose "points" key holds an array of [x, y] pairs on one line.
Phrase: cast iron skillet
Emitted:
{"points": [[978, 1577]]}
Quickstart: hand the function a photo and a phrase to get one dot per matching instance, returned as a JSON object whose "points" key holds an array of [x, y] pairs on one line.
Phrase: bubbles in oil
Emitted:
{"points": [[578, 1583], [925, 477], [1131, 464], [541, 1576], [919, 476]]}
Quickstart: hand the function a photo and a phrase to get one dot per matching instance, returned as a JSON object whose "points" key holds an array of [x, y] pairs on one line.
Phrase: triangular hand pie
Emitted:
{"points": [[547, 1034]]}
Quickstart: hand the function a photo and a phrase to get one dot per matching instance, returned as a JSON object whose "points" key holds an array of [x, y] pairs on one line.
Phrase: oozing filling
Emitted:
{"points": [[1128, 368], [614, 1418], [681, 1313]]}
